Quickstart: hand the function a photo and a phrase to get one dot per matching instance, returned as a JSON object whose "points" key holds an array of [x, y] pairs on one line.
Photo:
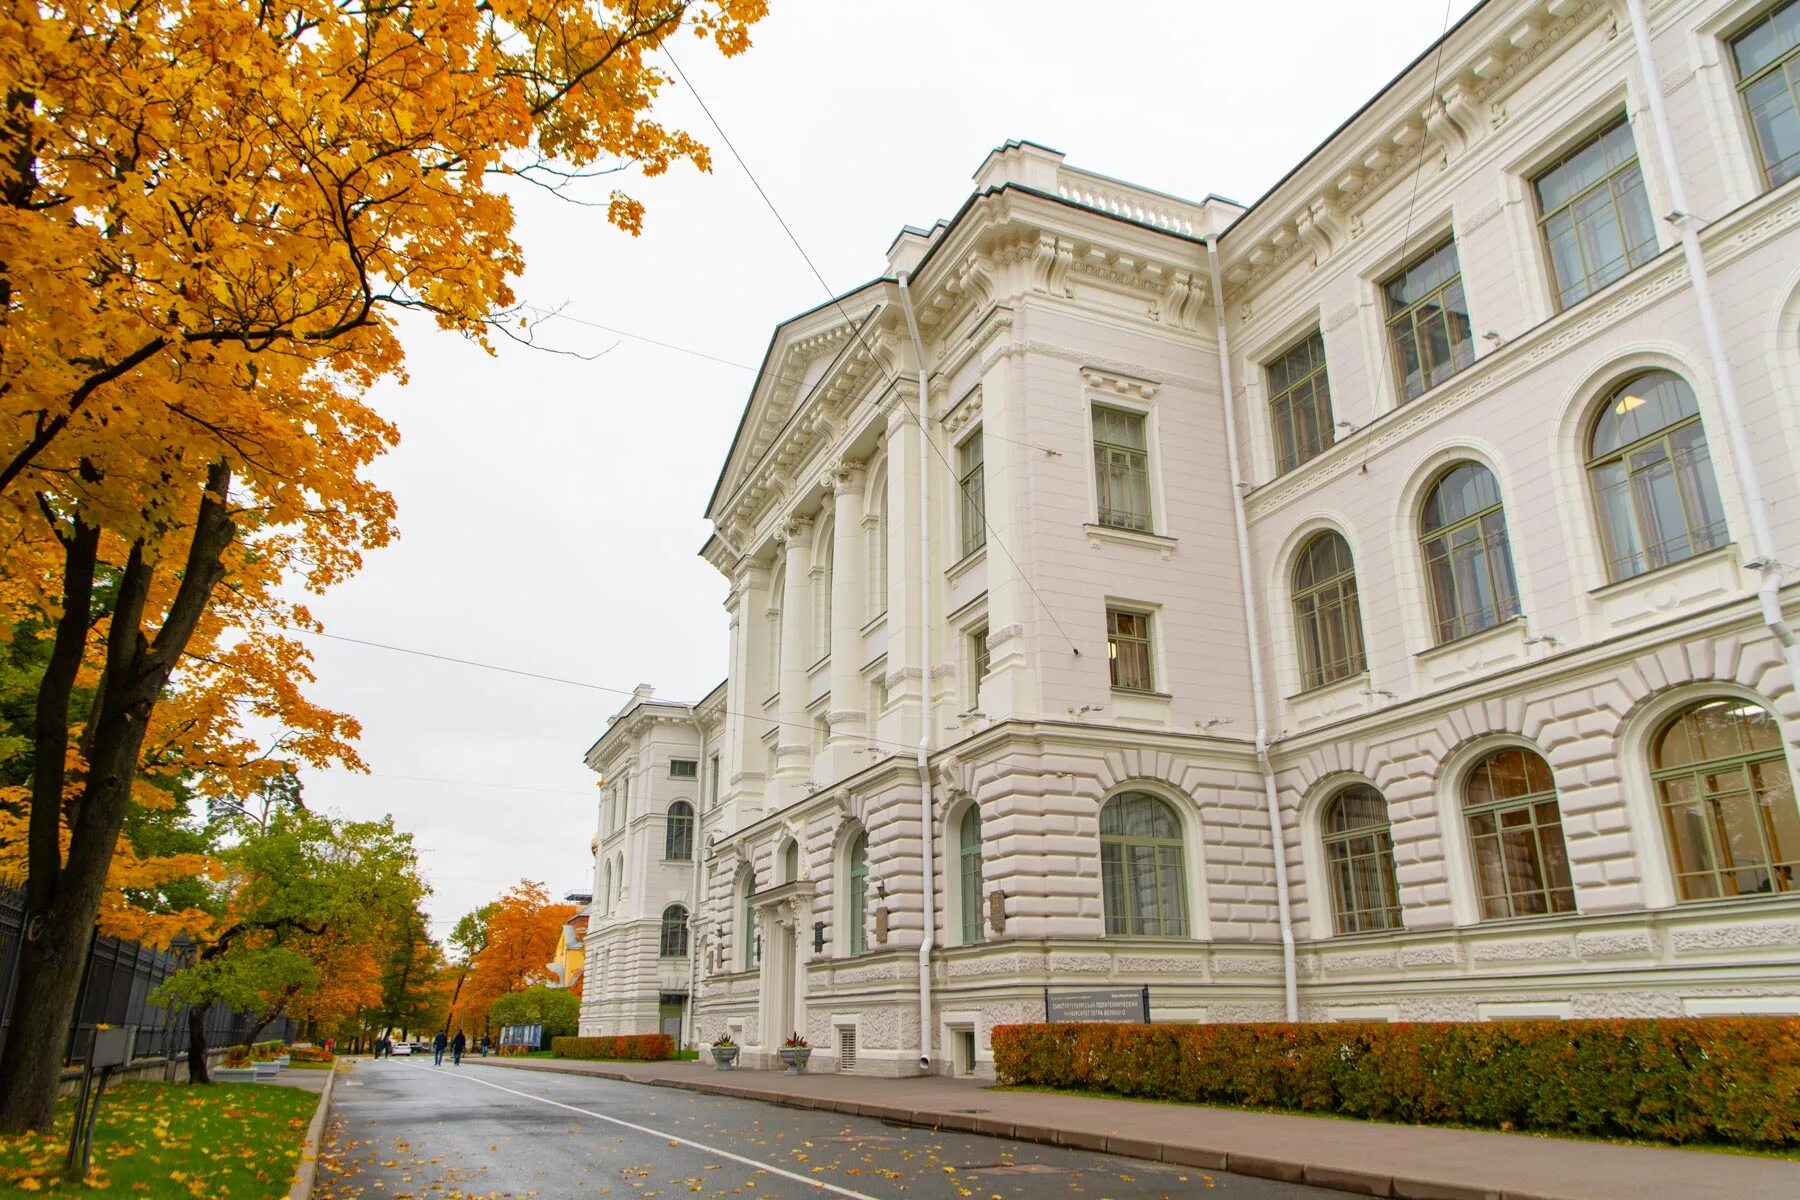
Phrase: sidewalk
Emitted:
{"points": [[1367, 1158]]}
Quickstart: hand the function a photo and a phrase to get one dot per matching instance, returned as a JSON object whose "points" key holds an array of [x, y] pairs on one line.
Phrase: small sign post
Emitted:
{"points": [[111, 1049], [1126, 1006]]}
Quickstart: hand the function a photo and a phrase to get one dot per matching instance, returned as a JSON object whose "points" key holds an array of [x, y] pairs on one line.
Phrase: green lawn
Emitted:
{"points": [[233, 1141]]}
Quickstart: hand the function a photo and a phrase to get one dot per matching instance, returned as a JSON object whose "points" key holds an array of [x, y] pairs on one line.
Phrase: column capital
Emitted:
{"points": [[796, 531], [844, 476]]}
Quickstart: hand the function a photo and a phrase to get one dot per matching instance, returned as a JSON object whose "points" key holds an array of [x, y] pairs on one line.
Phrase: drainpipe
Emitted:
{"points": [[928, 715], [693, 1004], [1762, 538], [1289, 983]]}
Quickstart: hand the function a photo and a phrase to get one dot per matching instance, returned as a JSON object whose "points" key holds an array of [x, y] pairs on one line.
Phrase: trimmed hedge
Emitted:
{"points": [[635, 1047], [1707, 1079], [317, 1054]]}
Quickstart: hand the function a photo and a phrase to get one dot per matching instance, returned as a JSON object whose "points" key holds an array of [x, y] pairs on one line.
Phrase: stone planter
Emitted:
{"points": [[233, 1074], [795, 1057], [267, 1068], [282, 1062], [725, 1058]]}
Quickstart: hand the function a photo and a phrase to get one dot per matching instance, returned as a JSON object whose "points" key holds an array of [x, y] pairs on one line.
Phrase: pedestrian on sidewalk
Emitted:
{"points": [[456, 1049], [437, 1045]]}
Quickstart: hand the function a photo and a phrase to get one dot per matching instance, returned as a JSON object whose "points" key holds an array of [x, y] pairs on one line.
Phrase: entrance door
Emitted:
{"points": [[669, 1013]]}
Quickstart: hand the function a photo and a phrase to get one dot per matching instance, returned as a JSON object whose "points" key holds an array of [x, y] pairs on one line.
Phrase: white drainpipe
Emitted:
{"points": [[693, 1002], [1289, 982], [929, 714], [1762, 538]]}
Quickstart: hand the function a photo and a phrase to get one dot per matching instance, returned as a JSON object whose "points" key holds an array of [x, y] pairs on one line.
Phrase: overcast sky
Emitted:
{"points": [[551, 507]]}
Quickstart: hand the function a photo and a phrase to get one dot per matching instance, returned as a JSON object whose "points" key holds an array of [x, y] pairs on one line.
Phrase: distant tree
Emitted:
{"points": [[517, 941], [558, 1010]]}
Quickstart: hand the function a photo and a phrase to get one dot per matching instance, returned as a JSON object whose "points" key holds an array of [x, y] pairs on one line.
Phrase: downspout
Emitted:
{"points": [[1277, 843], [693, 1004], [1762, 538], [928, 715]]}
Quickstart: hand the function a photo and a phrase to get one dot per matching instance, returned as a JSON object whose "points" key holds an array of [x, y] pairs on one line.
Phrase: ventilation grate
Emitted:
{"points": [[846, 1058]]}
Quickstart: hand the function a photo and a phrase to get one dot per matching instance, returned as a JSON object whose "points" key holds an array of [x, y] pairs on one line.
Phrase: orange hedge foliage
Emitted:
{"points": [[316, 1054], [1710, 1079], [638, 1047]]}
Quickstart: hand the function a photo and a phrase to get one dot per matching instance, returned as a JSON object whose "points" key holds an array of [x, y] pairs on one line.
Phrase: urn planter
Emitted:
{"points": [[795, 1057], [725, 1058], [233, 1074]]}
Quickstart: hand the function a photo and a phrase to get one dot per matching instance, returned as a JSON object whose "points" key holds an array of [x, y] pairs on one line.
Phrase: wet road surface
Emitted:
{"points": [[405, 1130]]}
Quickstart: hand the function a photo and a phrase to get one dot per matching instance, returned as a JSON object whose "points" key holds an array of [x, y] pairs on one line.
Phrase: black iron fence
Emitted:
{"points": [[115, 990]]}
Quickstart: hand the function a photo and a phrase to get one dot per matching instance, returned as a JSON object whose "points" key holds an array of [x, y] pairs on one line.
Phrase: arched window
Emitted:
{"points": [[1468, 562], [1515, 836], [1653, 477], [777, 588], [875, 545], [678, 835], [856, 894], [968, 838], [674, 932], [1327, 619], [1727, 800], [749, 945], [825, 558], [606, 887], [790, 861], [1359, 856], [1142, 874]]}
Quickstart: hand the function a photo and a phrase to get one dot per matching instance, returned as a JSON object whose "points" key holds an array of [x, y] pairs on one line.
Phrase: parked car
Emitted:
{"points": [[422, 1047], [400, 1048]]}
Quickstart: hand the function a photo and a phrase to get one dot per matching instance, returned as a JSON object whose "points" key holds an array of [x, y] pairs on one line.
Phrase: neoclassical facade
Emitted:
{"points": [[1368, 604]]}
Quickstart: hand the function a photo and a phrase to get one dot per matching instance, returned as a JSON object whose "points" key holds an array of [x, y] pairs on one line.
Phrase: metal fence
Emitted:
{"points": [[116, 983]]}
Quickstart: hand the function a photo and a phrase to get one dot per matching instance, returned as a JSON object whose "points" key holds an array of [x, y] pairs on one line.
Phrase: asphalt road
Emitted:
{"points": [[405, 1130]]}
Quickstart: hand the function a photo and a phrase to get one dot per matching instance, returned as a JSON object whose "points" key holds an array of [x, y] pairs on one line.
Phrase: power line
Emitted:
{"points": [[856, 330], [471, 783]]}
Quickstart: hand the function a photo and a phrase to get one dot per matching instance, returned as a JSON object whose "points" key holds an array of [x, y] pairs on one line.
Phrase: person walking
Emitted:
{"points": [[437, 1045], [456, 1048]]}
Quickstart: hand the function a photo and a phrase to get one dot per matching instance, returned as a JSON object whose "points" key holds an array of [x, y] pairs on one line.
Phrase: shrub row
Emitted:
{"points": [[637, 1047], [310, 1054], [1711, 1079]]}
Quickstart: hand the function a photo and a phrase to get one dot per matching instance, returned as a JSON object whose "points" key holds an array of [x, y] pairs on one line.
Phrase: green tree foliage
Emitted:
{"points": [[556, 1009]]}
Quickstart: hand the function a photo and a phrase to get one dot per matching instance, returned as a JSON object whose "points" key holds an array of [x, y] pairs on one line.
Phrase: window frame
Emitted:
{"points": [[1147, 641], [750, 953], [1595, 462], [980, 662], [1742, 85], [1634, 257], [678, 832], [971, 490], [1740, 765], [678, 926], [1528, 802], [1282, 402], [1104, 515], [693, 765], [1345, 918], [1503, 611], [856, 895], [1409, 312], [1346, 613], [971, 884], [1125, 842], [713, 785]]}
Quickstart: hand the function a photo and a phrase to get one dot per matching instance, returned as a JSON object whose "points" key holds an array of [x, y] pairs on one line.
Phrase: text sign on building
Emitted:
{"points": [[1120, 1005]]}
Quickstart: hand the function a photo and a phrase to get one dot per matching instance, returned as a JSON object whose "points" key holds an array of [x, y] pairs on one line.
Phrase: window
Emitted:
{"points": [[790, 862], [777, 588], [684, 768], [1652, 477], [1300, 404], [877, 548], [1141, 873], [1128, 650], [1327, 619], [1727, 800], [1768, 67], [750, 949], [971, 479], [1468, 561], [1515, 837], [1122, 468], [674, 932], [826, 558], [1428, 322], [978, 664], [1594, 215], [856, 911], [821, 734], [712, 788], [1359, 857], [968, 837], [678, 836]]}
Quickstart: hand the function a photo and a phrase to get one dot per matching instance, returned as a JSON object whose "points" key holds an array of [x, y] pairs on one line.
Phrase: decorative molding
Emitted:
{"points": [[1050, 269], [1118, 383], [966, 412]]}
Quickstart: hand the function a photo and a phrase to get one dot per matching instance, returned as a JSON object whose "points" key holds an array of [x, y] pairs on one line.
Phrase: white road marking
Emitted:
{"points": [[771, 1168]]}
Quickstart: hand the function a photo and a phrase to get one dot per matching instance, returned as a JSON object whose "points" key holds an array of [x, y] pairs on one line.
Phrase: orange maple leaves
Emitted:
{"points": [[523, 936]]}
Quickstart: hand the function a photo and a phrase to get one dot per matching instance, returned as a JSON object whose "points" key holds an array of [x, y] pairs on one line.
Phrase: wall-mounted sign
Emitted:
{"points": [[1121, 1005]]}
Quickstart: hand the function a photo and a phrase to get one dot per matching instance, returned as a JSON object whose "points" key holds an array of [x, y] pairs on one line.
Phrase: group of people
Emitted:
{"points": [[384, 1047]]}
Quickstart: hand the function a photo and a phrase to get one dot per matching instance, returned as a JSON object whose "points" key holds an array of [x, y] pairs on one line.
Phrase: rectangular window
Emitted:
{"points": [[712, 792], [878, 697], [1428, 321], [1768, 66], [1594, 214], [821, 736], [978, 663], [972, 475], [1122, 468], [1300, 404], [684, 768], [1128, 650]]}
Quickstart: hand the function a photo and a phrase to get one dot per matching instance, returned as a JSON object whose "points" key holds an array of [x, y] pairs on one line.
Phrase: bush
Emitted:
{"points": [[1708, 1079], [316, 1054], [558, 1010], [634, 1047]]}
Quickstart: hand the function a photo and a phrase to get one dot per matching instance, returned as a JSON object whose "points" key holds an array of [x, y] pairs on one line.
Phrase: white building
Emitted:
{"points": [[1473, 549]]}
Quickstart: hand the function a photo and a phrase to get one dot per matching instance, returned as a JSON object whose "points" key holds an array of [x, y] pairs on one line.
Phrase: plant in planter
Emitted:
{"points": [[794, 1052], [725, 1053], [238, 1067]]}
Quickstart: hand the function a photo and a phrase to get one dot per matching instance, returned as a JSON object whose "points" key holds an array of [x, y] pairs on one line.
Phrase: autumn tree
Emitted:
{"points": [[412, 981], [210, 215], [518, 940]]}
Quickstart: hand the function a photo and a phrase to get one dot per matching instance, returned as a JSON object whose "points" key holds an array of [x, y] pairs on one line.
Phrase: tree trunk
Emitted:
{"points": [[198, 1072], [63, 898]]}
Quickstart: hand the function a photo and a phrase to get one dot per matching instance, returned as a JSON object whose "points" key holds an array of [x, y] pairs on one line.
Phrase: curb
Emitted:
{"points": [[308, 1171], [1286, 1170]]}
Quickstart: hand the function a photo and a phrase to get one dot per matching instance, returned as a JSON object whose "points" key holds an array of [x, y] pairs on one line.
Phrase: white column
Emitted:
{"points": [[744, 759], [793, 739], [1010, 689], [849, 699]]}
